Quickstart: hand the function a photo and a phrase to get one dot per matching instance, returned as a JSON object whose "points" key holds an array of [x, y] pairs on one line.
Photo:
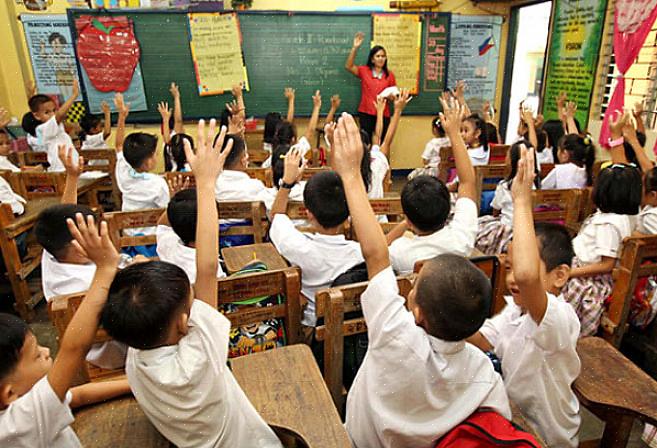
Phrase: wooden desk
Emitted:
{"points": [[26, 221], [237, 257], [287, 389], [119, 422], [89, 187]]}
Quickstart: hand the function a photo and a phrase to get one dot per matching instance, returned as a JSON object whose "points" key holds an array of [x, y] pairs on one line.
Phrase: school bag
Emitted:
{"points": [[486, 428]]}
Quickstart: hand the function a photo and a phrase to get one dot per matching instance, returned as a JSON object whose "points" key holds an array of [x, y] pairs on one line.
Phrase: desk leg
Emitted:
{"points": [[19, 286], [617, 431], [92, 198]]}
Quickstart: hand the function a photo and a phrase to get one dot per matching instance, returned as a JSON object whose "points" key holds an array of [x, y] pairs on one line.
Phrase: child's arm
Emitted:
{"points": [[165, 113], [451, 121], [239, 97], [526, 260], [616, 126], [81, 331], [571, 108], [604, 266], [289, 94], [123, 110], [314, 118], [335, 105], [561, 110], [380, 104], [459, 94], [349, 65], [177, 109], [528, 117], [396, 232], [4, 118], [347, 157], [638, 112], [291, 175], [400, 103], [629, 133], [96, 392], [73, 171], [107, 130], [207, 163], [60, 115]]}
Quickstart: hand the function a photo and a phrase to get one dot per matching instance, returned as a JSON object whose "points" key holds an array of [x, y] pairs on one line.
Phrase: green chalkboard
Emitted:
{"points": [[306, 51]]}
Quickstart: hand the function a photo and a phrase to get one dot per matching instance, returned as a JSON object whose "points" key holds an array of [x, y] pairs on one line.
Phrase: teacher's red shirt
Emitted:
{"points": [[370, 87]]}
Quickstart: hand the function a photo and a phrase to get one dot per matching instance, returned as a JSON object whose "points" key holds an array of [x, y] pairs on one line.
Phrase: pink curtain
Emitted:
{"points": [[626, 49]]}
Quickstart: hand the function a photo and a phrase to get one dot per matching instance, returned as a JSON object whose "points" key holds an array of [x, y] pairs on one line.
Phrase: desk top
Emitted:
{"points": [[237, 257], [32, 210], [287, 389], [86, 183]]}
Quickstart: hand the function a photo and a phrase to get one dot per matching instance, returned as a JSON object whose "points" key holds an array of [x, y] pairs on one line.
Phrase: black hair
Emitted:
{"points": [[138, 147], [630, 155], [618, 189], [438, 126], [236, 153], [426, 203], [375, 49], [271, 122], [182, 215], [13, 332], [87, 123], [555, 244], [514, 156], [278, 162], [51, 230], [479, 124], [491, 133], [454, 296], [174, 152], [225, 118], [56, 36], [29, 122], [37, 101], [285, 133], [581, 152], [324, 197], [143, 301], [366, 162], [650, 180]]}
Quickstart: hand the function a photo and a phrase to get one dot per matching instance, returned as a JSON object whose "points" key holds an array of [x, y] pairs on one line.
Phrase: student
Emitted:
{"points": [[495, 231], [576, 155], [65, 270], [535, 336], [168, 121], [174, 152], [617, 195], [431, 154], [96, 130], [646, 222], [135, 158], [176, 233], [44, 123], [178, 340], [473, 133], [272, 121], [7, 196], [419, 378], [35, 398], [325, 254], [5, 150], [426, 204]]}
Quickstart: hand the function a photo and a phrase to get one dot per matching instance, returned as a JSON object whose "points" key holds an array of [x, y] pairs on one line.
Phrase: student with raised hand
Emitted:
{"points": [[535, 336], [426, 204], [419, 378], [35, 393]]}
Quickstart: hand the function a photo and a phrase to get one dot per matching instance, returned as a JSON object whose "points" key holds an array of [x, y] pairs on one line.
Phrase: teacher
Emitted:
{"points": [[374, 77]]}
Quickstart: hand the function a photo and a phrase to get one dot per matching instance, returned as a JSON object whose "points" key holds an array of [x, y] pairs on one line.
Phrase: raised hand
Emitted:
{"points": [[105, 107], [561, 100], [347, 148], [208, 161], [177, 183], [237, 90], [358, 39], [175, 92], [72, 167], [317, 99], [451, 116], [165, 112], [638, 110], [294, 166], [233, 107], [459, 90], [121, 106], [402, 99], [617, 122], [571, 108], [4, 118], [380, 104], [335, 102], [521, 189], [289, 93], [329, 131], [76, 88], [92, 243], [629, 131], [527, 115], [236, 124]]}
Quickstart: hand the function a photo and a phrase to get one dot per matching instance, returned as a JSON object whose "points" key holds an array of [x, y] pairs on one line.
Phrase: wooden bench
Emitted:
{"points": [[254, 212], [487, 178], [545, 169], [310, 172], [498, 153], [264, 175], [561, 206], [29, 159], [118, 222], [39, 184]]}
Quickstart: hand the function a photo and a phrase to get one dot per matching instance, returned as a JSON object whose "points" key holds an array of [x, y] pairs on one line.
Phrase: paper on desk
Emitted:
{"points": [[92, 175]]}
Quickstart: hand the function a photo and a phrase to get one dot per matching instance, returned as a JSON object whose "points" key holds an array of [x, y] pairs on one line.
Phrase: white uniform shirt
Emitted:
{"points": [[432, 150], [503, 202], [35, 144], [170, 248], [50, 135], [189, 393], [322, 258], [94, 141], [235, 186], [540, 364], [140, 190], [5, 164], [647, 220], [412, 388], [7, 196], [478, 156], [379, 165], [564, 176], [38, 419], [600, 236], [457, 237], [545, 156]]}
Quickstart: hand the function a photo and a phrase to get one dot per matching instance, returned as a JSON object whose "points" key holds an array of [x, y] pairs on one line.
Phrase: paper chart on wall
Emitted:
{"points": [[400, 35]]}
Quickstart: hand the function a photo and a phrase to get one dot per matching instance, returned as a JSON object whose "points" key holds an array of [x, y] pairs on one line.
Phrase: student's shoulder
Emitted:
{"points": [[560, 326]]}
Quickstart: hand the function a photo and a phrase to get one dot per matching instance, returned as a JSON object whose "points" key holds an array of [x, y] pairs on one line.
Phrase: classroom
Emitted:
{"points": [[335, 223]]}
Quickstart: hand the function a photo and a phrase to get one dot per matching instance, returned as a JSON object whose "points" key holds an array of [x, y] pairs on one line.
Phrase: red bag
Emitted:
{"points": [[487, 428]]}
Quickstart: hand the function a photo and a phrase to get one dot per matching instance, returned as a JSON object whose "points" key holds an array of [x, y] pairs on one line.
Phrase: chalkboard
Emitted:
{"points": [[303, 50]]}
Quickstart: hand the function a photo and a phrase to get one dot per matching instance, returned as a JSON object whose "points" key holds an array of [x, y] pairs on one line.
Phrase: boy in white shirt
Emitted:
{"points": [[176, 363], [426, 204], [176, 234], [419, 378], [34, 390], [325, 254], [45, 123], [96, 129], [535, 336]]}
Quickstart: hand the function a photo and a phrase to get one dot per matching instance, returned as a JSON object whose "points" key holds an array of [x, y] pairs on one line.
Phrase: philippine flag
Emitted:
{"points": [[486, 45]]}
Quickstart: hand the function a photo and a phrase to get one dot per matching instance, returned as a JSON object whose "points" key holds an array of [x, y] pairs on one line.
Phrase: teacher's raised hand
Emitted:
{"points": [[358, 39]]}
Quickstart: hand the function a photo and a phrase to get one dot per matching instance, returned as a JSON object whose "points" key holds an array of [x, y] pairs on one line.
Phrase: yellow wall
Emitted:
{"points": [[413, 132]]}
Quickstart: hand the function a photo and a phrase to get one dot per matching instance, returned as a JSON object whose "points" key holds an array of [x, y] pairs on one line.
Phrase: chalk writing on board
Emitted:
{"points": [[573, 56], [217, 53], [400, 35], [435, 53]]}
